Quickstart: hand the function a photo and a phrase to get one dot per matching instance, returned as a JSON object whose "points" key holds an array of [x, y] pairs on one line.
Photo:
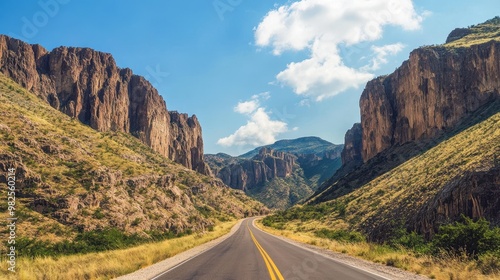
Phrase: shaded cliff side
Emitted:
{"points": [[87, 85]]}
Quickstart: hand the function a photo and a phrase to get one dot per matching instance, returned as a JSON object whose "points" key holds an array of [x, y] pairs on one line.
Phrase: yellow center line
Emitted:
{"points": [[271, 267]]}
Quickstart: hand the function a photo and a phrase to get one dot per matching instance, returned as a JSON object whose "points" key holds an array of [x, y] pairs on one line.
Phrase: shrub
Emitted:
{"points": [[340, 235], [472, 237], [489, 263]]}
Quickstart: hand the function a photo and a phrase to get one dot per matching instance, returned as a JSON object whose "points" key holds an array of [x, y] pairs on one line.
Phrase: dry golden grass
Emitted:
{"points": [[416, 181], [480, 34], [441, 268], [110, 264]]}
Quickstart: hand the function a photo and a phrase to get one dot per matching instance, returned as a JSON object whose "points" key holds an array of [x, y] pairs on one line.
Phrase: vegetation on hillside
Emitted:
{"points": [[79, 190], [391, 200], [477, 34]]}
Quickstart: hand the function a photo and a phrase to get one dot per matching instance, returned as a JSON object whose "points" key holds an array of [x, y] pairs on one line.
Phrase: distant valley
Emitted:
{"points": [[282, 174]]}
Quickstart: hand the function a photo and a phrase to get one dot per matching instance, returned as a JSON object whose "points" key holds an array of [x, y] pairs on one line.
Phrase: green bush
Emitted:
{"points": [[87, 242], [472, 237], [489, 263], [341, 235], [410, 240]]}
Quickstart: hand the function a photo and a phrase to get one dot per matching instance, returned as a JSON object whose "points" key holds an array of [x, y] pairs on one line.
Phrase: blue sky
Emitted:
{"points": [[252, 71]]}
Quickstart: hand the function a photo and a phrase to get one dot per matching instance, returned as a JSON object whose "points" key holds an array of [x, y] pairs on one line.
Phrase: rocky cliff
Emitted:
{"points": [[87, 85], [265, 166], [431, 92], [71, 179], [353, 145], [281, 174], [474, 194]]}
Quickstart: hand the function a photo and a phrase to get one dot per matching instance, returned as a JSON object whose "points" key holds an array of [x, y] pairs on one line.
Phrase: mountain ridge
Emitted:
{"points": [[280, 174], [72, 180], [87, 85]]}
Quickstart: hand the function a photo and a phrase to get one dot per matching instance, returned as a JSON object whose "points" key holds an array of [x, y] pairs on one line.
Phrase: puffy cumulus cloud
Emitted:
{"points": [[247, 107], [259, 130], [320, 26]]}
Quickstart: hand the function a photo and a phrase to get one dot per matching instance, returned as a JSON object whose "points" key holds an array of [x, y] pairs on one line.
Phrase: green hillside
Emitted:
{"points": [[73, 182]]}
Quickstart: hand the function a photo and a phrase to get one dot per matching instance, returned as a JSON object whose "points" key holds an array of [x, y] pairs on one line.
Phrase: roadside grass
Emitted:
{"points": [[444, 266], [108, 264]]}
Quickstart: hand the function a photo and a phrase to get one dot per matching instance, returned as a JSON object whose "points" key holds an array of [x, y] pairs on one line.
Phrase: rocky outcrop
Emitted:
{"points": [[87, 85], [457, 34], [431, 92], [474, 194], [352, 152], [248, 174]]}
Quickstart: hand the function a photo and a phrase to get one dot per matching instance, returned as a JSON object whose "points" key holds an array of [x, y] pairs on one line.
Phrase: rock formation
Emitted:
{"points": [[432, 91], [87, 85], [475, 195], [352, 147], [247, 174]]}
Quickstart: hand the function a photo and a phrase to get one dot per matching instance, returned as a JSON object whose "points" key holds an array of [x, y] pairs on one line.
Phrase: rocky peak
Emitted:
{"points": [[87, 85]]}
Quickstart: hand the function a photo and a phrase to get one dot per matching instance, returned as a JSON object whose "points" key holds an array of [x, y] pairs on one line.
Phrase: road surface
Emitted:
{"points": [[254, 255]]}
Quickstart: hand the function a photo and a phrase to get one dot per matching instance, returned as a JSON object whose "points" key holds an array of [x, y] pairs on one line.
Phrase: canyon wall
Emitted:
{"points": [[431, 92], [87, 85]]}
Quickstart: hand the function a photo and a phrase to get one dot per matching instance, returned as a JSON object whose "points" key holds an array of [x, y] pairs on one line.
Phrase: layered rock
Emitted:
{"points": [[247, 174], [87, 85], [431, 92]]}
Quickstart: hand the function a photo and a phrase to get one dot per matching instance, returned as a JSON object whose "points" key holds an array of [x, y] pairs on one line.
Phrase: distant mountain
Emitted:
{"points": [[299, 146], [281, 174]]}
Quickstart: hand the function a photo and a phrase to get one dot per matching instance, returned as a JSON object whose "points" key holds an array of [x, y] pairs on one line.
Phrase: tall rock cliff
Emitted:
{"points": [[87, 85], [265, 166], [353, 145], [431, 92]]}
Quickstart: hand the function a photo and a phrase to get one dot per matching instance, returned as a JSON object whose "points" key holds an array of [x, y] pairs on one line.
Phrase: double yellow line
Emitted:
{"points": [[271, 267]]}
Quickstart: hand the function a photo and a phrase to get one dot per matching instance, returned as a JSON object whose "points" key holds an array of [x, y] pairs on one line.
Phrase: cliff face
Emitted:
{"points": [[432, 91], [474, 195], [268, 164], [87, 85], [352, 151]]}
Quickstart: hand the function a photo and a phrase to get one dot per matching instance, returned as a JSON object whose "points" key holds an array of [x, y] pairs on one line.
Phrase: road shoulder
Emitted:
{"points": [[373, 268]]}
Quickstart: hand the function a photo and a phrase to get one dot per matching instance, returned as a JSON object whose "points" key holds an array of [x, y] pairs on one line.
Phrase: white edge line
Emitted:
{"points": [[202, 252], [316, 252]]}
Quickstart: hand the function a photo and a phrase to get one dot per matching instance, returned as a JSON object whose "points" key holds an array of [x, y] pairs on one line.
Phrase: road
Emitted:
{"points": [[255, 255]]}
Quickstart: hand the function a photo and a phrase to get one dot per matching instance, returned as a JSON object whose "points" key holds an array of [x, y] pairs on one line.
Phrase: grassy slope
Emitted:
{"points": [[113, 177], [109, 264], [398, 194], [481, 33]]}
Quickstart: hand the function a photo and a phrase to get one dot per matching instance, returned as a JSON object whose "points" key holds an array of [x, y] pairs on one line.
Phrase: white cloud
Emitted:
{"points": [[320, 26], [259, 130], [247, 107]]}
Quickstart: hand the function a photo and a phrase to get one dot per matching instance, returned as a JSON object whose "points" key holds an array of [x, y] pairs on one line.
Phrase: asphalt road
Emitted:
{"points": [[255, 255]]}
